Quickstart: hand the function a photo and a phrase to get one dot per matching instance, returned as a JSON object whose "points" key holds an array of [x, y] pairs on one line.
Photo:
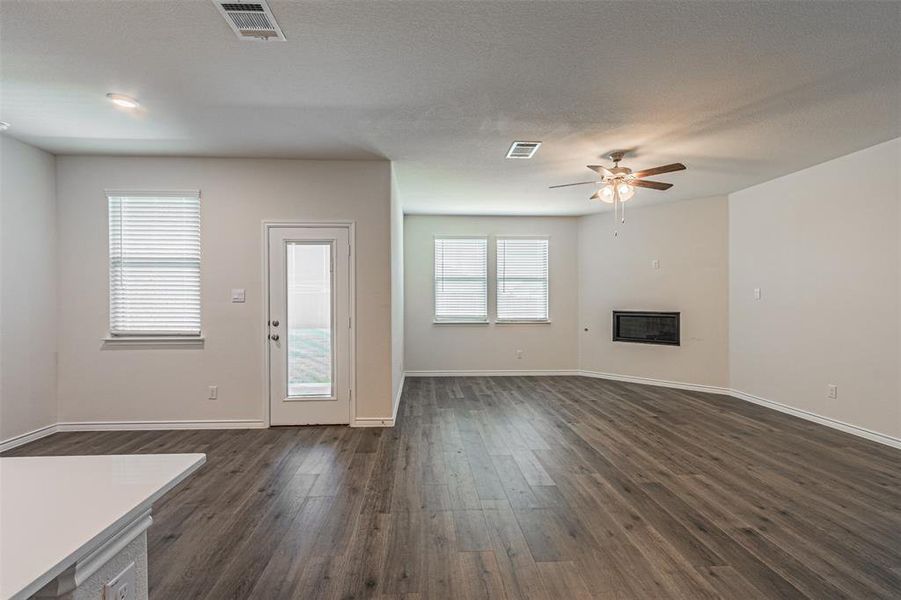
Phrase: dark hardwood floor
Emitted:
{"points": [[527, 487]]}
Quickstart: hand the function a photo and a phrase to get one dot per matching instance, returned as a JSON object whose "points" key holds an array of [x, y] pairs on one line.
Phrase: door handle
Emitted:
{"points": [[274, 337]]}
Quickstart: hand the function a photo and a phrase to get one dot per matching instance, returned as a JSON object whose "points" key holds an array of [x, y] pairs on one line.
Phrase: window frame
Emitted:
{"points": [[148, 338], [547, 318], [463, 321]]}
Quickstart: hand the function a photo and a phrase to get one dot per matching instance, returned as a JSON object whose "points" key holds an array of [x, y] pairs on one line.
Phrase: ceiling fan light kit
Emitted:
{"points": [[609, 191], [618, 185]]}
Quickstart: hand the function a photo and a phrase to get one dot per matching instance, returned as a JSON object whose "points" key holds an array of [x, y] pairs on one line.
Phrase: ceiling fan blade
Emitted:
{"points": [[658, 170], [600, 170], [654, 185], [569, 184]]}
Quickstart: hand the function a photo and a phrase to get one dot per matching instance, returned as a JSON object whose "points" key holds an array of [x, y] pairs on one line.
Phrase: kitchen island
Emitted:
{"points": [[71, 524]]}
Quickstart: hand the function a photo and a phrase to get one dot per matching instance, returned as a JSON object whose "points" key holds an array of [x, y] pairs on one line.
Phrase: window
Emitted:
{"points": [[522, 276], [461, 279], [154, 250]]}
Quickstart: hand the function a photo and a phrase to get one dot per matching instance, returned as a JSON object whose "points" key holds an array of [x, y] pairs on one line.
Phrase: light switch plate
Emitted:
{"points": [[123, 586], [238, 295]]}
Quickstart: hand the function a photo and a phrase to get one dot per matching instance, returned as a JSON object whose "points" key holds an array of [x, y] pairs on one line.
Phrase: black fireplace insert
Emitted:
{"points": [[642, 327]]}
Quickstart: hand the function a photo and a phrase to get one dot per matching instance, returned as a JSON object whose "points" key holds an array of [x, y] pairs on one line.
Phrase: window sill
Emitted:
{"points": [[523, 322], [436, 322], [153, 341]]}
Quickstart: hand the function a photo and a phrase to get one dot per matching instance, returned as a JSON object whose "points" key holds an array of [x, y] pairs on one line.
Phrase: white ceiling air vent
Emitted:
{"points": [[523, 149], [251, 20]]}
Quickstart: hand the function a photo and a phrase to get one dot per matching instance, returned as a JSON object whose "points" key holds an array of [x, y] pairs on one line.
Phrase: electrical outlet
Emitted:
{"points": [[123, 586], [832, 391], [655, 263], [214, 392], [519, 354], [757, 293]]}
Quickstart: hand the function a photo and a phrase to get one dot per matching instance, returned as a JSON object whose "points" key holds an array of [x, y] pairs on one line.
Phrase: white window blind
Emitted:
{"points": [[154, 249], [461, 279], [522, 279]]}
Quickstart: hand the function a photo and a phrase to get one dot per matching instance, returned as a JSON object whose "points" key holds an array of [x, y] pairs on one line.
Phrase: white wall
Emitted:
{"points": [[237, 194], [823, 246], [689, 239], [397, 293], [28, 267], [456, 347]]}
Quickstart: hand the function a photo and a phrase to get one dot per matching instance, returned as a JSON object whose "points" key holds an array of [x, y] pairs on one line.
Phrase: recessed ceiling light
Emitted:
{"points": [[123, 100], [4, 125]]}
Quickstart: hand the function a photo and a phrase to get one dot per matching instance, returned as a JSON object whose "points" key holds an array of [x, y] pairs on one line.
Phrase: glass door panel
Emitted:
{"points": [[310, 322]]}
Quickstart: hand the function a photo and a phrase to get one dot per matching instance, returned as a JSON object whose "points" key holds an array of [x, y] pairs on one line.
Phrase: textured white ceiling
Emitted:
{"points": [[741, 92]]}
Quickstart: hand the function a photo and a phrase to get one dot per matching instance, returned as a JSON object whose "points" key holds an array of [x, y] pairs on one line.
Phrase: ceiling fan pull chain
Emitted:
{"points": [[614, 216], [615, 211]]}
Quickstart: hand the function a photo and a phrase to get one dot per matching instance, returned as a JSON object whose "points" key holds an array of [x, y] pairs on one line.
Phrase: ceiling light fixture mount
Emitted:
{"points": [[123, 101]]}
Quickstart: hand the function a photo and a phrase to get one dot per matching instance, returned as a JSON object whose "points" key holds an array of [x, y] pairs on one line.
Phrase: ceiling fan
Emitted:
{"points": [[617, 184]]}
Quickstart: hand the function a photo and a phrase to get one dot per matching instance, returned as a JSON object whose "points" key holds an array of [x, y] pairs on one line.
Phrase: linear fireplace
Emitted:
{"points": [[643, 327]]}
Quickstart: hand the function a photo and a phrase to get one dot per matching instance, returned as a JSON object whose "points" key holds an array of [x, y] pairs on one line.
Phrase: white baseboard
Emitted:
{"points": [[874, 436], [372, 422], [679, 385], [784, 408], [41, 432], [506, 373], [155, 425], [25, 438]]}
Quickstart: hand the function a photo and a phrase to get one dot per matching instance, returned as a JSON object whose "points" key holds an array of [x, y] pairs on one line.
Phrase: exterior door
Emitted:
{"points": [[309, 325]]}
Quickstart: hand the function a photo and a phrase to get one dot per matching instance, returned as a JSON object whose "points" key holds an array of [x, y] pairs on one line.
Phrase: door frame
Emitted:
{"points": [[350, 226]]}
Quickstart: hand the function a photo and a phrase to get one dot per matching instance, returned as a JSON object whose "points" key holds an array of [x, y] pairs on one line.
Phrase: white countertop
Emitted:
{"points": [[55, 510]]}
